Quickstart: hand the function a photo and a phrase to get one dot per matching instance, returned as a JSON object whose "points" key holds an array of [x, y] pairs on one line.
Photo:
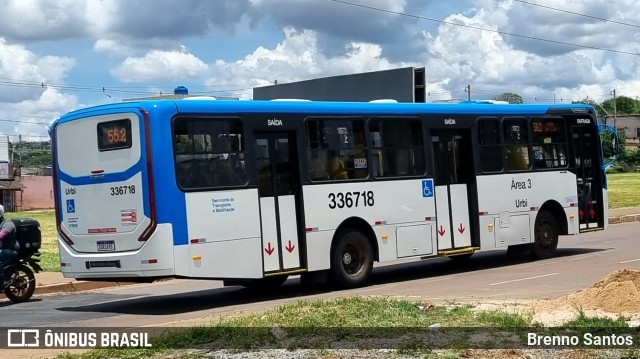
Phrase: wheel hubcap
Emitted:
{"points": [[346, 259], [545, 235]]}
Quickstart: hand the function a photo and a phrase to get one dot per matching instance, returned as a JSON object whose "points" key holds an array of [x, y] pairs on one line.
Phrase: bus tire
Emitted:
{"points": [[351, 259], [545, 236]]}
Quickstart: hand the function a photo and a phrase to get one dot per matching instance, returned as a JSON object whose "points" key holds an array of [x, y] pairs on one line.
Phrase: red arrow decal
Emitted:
{"points": [[461, 229], [290, 247], [269, 249], [441, 232], [581, 215], [592, 213]]}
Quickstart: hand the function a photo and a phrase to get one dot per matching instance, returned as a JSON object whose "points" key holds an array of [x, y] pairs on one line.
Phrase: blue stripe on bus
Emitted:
{"points": [[111, 178], [320, 107], [102, 178]]}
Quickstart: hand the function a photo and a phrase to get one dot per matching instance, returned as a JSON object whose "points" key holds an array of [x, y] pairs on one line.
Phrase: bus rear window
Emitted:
{"points": [[114, 135]]}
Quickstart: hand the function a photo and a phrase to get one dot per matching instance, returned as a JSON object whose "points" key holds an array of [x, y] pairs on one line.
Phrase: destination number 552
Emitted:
{"points": [[351, 199]]}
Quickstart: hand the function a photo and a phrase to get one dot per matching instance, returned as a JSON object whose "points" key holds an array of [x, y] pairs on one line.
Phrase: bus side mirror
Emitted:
{"points": [[612, 156]]}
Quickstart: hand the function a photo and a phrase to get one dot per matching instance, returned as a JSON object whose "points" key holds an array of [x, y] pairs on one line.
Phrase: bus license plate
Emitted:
{"points": [[104, 246]]}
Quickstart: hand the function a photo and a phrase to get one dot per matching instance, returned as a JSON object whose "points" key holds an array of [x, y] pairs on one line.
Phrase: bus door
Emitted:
{"points": [[278, 190], [453, 172], [588, 176]]}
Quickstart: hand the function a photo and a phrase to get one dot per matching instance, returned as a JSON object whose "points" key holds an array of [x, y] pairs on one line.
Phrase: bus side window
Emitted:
{"points": [[398, 147], [490, 144], [516, 136], [549, 143], [209, 152], [336, 149]]}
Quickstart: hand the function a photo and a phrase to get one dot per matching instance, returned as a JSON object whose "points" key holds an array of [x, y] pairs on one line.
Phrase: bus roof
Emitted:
{"points": [[327, 107]]}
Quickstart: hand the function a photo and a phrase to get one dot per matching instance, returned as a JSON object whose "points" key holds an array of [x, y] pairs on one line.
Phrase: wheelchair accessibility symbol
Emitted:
{"points": [[71, 206], [427, 188]]}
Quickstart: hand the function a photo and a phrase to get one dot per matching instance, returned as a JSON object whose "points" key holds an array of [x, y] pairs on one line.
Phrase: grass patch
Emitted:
{"points": [[359, 323], [584, 321], [50, 260], [623, 190]]}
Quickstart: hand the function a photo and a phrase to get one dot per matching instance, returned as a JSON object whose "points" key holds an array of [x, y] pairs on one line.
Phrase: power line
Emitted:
{"points": [[116, 89], [484, 29], [30, 122], [578, 14]]}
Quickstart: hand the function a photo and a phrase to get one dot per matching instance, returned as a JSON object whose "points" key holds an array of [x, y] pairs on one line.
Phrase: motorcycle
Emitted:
{"points": [[20, 273], [21, 278]]}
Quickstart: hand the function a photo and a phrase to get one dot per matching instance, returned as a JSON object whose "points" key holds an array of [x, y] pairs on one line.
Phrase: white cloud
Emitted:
{"points": [[296, 58], [25, 75], [34, 20], [35, 115], [494, 63], [160, 65], [27, 102]]}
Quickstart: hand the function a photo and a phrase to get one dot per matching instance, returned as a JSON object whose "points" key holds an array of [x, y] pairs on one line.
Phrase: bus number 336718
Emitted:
{"points": [[351, 199]]}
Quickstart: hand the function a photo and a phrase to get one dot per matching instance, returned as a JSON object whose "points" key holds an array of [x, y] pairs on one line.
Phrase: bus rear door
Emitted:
{"points": [[453, 172], [588, 175], [278, 190]]}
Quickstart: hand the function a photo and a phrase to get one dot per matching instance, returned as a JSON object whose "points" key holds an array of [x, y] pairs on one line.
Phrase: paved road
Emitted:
{"points": [[581, 261]]}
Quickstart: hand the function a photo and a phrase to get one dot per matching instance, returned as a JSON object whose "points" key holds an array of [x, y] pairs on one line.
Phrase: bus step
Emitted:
{"points": [[289, 272], [456, 252]]}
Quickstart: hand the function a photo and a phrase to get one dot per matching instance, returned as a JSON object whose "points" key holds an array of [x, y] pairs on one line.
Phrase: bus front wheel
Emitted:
{"points": [[351, 260], [546, 236]]}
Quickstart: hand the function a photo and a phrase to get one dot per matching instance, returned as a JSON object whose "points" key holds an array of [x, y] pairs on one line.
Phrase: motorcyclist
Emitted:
{"points": [[9, 246]]}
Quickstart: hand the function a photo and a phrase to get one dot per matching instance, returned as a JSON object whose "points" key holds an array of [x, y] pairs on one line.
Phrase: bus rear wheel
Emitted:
{"points": [[545, 236], [351, 260]]}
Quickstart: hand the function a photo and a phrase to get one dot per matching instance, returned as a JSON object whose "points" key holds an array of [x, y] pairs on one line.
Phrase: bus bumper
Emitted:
{"points": [[153, 259]]}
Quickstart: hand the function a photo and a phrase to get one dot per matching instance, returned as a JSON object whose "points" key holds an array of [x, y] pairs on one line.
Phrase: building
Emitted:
{"points": [[403, 85], [10, 186], [630, 127]]}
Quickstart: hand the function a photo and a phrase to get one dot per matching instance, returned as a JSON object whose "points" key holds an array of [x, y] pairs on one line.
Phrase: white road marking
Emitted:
{"points": [[521, 279], [629, 261]]}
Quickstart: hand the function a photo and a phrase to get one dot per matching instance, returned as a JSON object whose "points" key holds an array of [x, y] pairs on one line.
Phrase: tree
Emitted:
{"points": [[509, 97], [624, 105]]}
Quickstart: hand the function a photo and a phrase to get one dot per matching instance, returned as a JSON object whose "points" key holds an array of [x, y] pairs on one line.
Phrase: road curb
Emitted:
{"points": [[76, 286], [70, 287], [624, 219]]}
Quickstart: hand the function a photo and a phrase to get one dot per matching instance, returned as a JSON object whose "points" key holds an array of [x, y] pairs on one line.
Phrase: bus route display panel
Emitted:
{"points": [[114, 135]]}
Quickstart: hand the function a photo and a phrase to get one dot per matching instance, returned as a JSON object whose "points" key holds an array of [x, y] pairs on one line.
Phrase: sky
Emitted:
{"points": [[58, 56]]}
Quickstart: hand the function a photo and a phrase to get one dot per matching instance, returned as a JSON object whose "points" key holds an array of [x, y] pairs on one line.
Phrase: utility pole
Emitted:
{"points": [[20, 153], [614, 110], [468, 91]]}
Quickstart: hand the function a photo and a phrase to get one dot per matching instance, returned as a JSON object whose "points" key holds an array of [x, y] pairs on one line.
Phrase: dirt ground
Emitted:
{"points": [[617, 294]]}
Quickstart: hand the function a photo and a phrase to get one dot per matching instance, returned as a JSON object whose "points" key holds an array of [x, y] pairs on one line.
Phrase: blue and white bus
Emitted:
{"points": [[251, 192]]}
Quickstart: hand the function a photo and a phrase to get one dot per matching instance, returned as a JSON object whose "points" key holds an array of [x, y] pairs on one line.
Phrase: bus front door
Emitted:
{"points": [[588, 177], [453, 172], [278, 189]]}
